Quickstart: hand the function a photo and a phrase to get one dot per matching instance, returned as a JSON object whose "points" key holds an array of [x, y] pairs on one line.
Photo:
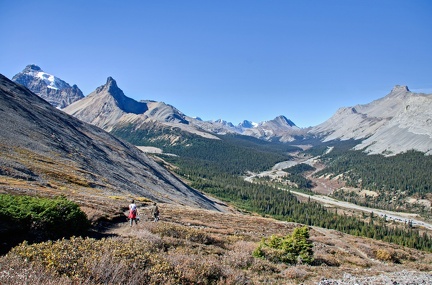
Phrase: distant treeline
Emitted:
{"points": [[269, 201], [232, 154], [215, 167], [394, 177]]}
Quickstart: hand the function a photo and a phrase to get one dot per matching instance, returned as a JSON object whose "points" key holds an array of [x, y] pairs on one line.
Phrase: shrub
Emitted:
{"points": [[385, 255], [37, 219], [182, 232], [120, 261], [289, 249]]}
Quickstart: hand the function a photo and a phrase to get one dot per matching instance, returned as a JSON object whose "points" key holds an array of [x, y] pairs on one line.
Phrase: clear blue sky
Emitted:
{"points": [[227, 59]]}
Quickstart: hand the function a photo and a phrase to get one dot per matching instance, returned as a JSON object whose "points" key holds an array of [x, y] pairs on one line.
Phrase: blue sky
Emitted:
{"points": [[233, 60]]}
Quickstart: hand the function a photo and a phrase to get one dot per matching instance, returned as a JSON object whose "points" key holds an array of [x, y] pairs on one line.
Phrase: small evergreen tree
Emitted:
{"points": [[291, 249]]}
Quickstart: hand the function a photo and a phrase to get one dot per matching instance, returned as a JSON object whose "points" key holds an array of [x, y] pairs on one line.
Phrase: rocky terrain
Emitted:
{"points": [[398, 122], [46, 152], [42, 147], [49, 87]]}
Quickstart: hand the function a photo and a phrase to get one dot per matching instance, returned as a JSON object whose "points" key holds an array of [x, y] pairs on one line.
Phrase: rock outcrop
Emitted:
{"points": [[49, 87]]}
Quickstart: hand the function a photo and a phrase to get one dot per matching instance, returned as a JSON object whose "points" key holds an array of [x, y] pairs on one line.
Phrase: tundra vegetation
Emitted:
{"points": [[217, 177], [208, 250]]}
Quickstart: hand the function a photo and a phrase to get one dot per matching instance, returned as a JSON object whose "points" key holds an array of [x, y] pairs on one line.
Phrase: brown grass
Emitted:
{"points": [[193, 246]]}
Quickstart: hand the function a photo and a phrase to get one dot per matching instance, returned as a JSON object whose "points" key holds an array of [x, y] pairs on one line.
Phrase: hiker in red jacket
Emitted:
{"points": [[133, 212]]}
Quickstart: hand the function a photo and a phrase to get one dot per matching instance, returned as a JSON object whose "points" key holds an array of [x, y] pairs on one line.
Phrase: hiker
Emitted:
{"points": [[133, 212], [155, 212]]}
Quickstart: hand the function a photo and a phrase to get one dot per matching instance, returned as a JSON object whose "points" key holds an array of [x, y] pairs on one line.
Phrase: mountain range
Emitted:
{"points": [[45, 148], [396, 123]]}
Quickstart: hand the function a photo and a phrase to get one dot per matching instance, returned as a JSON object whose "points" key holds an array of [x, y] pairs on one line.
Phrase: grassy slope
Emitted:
{"points": [[207, 245]]}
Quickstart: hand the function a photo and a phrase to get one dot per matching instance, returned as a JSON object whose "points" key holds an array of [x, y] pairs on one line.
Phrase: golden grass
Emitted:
{"points": [[187, 246]]}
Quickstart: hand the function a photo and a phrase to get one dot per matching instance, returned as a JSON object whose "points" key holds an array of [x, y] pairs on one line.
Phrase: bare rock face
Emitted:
{"points": [[52, 89], [47, 147], [108, 107], [410, 129], [393, 124]]}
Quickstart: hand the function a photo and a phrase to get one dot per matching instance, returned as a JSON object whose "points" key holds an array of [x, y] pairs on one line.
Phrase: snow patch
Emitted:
{"points": [[50, 80]]}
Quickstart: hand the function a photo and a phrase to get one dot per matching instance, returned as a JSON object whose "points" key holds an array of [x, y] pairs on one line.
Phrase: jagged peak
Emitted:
{"points": [[111, 87], [399, 91], [246, 124], [399, 88], [111, 82], [284, 119], [125, 103], [32, 67]]}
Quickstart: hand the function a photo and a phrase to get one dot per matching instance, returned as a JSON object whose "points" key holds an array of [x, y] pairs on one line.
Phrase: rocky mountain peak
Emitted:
{"points": [[47, 86], [246, 124], [400, 88], [111, 83], [32, 67], [125, 103], [283, 120], [110, 86], [400, 91]]}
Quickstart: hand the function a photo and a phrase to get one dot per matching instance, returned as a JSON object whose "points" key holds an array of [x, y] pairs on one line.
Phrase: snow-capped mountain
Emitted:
{"points": [[279, 128], [398, 122], [49, 87]]}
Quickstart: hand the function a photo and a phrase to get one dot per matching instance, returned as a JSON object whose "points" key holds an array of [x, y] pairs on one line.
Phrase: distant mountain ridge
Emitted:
{"points": [[108, 107], [395, 123], [49, 87], [398, 122]]}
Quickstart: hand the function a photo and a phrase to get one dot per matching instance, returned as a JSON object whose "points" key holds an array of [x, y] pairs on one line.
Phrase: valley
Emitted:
{"points": [[325, 186], [200, 174]]}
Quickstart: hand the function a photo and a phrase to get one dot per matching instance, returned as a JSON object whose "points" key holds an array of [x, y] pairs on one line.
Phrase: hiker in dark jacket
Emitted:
{"points": [[155, 212]]}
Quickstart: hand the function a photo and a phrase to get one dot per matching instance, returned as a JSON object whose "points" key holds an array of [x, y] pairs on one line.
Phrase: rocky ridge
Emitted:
{"points": [[396, 123], [49, 87], [44, 148], [108, 107]]}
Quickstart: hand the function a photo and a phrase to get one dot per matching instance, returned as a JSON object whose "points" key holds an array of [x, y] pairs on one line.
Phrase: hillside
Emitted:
{"points": [[193, 246], [45, 150], [393, 124]]}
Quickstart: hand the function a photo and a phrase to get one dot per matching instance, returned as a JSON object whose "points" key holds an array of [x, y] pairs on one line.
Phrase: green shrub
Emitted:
{"points": [[37, 219], [291, 249]]}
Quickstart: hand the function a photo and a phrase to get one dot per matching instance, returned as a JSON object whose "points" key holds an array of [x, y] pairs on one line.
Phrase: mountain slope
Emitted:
{"points": [[44, 148], [49, 87], [395, 123], [108, 107], [409, 129]]}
